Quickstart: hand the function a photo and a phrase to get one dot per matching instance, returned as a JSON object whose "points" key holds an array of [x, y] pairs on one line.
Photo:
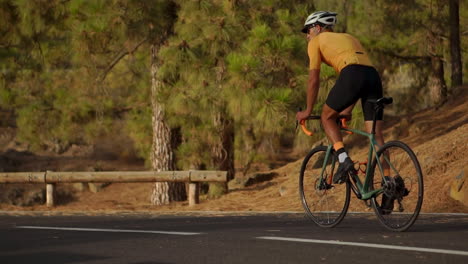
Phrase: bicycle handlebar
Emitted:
{"points": [[303, 126]]}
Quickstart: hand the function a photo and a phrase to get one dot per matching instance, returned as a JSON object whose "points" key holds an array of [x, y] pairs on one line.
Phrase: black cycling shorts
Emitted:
{"points": [[356, 82]]}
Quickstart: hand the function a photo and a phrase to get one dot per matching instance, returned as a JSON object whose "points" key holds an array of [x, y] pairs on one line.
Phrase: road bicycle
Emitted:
{"points": [[392, 181]]}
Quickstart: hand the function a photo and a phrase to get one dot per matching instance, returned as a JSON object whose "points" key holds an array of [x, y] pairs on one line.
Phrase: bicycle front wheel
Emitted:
{"points": [[325, 203], [402, 182]]}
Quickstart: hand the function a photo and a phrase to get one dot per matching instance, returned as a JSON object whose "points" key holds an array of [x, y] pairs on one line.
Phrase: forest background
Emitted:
{"points": [[205, 84]]}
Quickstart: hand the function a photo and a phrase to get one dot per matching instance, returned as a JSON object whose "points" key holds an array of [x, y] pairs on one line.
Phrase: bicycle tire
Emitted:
{"points": [[404, 164], [326, 207]]}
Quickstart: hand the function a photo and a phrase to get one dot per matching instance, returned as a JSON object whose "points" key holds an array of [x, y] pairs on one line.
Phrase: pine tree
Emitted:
{"points": [[194, 73], [267, 77], [455, 49]]}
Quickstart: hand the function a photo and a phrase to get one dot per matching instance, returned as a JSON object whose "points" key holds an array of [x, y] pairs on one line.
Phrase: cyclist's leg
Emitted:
{"points": [[342, 97], [329, 116], [332, 130]]}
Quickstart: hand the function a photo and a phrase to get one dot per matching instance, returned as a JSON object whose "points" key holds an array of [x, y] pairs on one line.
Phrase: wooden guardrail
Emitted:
{"points": [[51, 178]]}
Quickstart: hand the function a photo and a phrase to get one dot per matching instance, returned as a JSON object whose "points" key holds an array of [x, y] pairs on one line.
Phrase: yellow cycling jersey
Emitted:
{"points": [[338, 50]]}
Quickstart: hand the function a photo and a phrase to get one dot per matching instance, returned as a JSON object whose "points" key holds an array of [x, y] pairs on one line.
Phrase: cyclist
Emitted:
{"points": [[357, 79]]}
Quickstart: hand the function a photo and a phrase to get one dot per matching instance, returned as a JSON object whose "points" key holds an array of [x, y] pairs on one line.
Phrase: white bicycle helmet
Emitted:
{"points": [[323, 18]]}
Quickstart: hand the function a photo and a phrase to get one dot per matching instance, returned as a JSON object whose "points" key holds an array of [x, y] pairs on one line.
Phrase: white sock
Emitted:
{"points": [[342, 156]]}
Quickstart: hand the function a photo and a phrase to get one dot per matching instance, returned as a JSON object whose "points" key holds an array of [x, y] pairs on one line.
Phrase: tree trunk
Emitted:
{"points": [[455, 50], [162, 155], [436, 81], [251, 147], [222, 153], [344, 18], [437, 86], [223, 150]]}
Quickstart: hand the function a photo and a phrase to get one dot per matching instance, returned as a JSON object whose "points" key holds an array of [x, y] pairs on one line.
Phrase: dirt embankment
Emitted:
{"points": [[437, 135]]}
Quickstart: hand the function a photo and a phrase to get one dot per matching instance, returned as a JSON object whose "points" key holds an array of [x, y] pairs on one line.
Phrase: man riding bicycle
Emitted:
{"points": [[358, 79]]}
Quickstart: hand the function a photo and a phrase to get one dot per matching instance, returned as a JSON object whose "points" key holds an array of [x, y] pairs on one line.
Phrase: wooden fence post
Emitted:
{"points": [[194, 193], [50, 194]]}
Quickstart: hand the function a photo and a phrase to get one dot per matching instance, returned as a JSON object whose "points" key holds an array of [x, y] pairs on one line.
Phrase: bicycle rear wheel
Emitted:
{"points": [[325, 203], [398, 207]]}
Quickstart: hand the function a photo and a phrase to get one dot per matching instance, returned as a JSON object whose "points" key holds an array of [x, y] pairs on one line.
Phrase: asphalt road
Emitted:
{"points": [[265, 238]]}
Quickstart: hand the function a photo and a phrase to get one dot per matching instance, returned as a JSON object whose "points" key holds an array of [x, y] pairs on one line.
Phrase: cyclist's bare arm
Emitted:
{"points": [[313, 85], [312, 89]]}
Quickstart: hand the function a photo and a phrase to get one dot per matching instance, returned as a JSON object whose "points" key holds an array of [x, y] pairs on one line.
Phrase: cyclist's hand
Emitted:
{"points": [[301, 115]]}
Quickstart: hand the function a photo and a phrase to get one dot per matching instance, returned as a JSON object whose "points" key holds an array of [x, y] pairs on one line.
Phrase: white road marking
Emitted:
{"points": [[370, 245], [109, 230]]}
